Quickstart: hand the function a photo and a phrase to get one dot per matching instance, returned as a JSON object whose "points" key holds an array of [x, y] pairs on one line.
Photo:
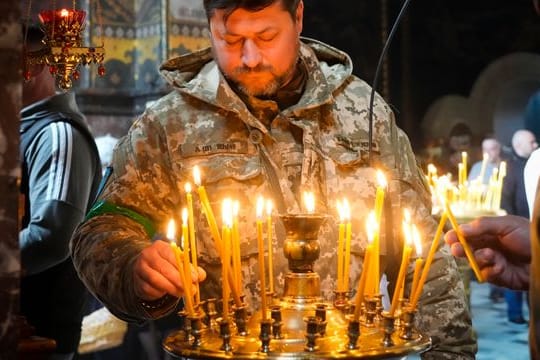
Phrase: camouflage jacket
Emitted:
{"points": [[318, 144]]}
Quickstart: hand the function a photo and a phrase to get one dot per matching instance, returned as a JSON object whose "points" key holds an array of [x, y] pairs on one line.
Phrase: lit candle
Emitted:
{"points": [[460, 175], [192, 239], [429, 260], [171, 235], [464, 244], [379, 202], [341, 242], [187, 265], [464, 161], [419, 261], [226, 256], [309, 202], [364, 278], [269, 207], [348, 234], [407, 249], [237, 263], [372, 281], [260, 243], [203, 197], [485, 159]]}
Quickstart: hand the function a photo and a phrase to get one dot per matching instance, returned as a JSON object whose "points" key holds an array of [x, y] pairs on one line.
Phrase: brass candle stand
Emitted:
{"points": [[299, 325]]}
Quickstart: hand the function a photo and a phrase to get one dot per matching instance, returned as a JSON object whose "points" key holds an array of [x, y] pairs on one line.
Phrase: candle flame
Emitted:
{"points": [[346, 210], [417, 240], [260, 207], [184, 216], [431, 169], [171, 230], [371, 226], [187, 187], [381, 179], [227, 212], [269, 207], [309, 202], [407, 216], [464, 155], [485, 156], [64, 13], [196, 175]]}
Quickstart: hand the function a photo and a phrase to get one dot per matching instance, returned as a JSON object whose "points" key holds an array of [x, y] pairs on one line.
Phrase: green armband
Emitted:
{"points": [[104, 207]]}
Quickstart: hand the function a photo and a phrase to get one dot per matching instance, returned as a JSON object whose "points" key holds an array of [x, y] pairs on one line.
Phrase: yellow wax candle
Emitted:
{"points": [[429, 260], [464, 161], [371, 287], [214, 228], [171, 235], [348, 235], [260, 243], [226, 256], [237, 263], [341, 242], [460, 175], [187, 266], [419, 261], [362, 283], [485, 159], [464, 244], [407, 249], [379, 202], [192, 239], [270, 236]]}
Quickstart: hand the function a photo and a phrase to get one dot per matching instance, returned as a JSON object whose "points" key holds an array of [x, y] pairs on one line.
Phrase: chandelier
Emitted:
{"points": [[64, 50]]}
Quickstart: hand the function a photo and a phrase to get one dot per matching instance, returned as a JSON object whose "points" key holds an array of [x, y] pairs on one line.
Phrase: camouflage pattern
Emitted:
{"points": [[318, 144]]}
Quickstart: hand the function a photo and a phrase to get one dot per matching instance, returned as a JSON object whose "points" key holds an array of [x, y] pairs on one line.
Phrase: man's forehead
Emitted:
{"points": [[241, 20]]}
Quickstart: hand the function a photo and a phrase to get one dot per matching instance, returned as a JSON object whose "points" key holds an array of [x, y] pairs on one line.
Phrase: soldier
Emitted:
{"points": [[260, 112]]}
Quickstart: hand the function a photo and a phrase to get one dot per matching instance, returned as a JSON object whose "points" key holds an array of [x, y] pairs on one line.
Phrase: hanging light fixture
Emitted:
{"points": [[64, 50]]}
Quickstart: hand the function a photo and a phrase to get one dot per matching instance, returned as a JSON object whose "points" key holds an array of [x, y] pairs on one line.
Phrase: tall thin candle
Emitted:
{"points": [[260, 243], [269, 207], [419, 261], [404, 265], [192, 239], [341, 242], [171, 235], [235, 235], [226, 256], [187, 265], [379, 202], [429, 260], [364, 278], [203, 197], [464, 244], [348, 235]]}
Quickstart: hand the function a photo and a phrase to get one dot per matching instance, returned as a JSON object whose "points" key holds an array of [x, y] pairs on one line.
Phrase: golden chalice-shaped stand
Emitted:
{"points": [[299, 325]]}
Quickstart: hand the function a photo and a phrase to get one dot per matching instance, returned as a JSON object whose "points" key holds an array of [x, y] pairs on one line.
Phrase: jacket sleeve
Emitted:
{"points": [[105, 247], [443, 309], [60, 174]]}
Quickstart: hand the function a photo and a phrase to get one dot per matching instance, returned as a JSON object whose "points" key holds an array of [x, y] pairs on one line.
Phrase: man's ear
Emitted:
{"points": [[299, 17]]}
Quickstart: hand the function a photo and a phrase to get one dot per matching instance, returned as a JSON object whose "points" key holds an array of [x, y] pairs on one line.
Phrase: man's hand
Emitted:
{"points": [[156, 273], [501, 247]]}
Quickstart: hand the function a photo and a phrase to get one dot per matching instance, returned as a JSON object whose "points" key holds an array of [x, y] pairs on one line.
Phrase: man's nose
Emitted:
{"points": [[251, 55]]}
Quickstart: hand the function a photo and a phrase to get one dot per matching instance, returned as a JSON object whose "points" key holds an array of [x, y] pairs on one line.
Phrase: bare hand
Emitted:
{"points": [[501, 247], [156, 273]]}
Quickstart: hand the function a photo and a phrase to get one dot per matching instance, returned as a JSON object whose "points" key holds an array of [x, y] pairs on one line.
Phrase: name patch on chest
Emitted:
{"points": [[228, 147]]}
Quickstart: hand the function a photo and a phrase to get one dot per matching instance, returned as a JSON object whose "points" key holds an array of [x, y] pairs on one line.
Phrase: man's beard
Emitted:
{"points": [[268, 89]]}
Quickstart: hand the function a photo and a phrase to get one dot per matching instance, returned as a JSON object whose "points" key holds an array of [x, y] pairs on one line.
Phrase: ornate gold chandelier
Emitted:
{"points": [[64, 50]]}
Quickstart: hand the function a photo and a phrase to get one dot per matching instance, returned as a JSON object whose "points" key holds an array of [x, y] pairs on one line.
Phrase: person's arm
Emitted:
{"points": [[61, 169], [113, 250], [443, 310], [501, 247]]}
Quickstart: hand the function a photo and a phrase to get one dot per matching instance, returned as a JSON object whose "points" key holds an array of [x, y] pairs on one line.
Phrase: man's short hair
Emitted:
{"points": [[251, 5]]}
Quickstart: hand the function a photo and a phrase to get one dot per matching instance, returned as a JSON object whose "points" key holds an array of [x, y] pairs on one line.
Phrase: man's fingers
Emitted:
{"points": [[160, 275]]}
